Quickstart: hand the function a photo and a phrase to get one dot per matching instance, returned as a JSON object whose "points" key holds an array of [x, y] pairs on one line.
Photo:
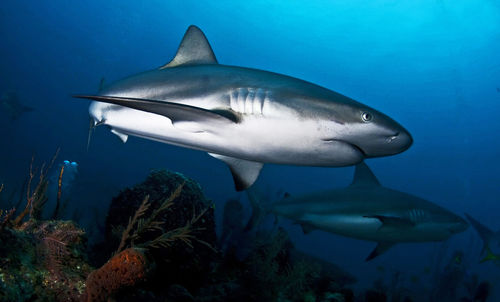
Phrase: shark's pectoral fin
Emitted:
{"points": [[173, 111], [122, 136], [381, 248], [244, 172], [194, 49], [393, 221]]}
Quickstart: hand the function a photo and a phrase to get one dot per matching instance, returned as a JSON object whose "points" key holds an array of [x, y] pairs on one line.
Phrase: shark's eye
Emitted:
{"points": [[366, 117]]}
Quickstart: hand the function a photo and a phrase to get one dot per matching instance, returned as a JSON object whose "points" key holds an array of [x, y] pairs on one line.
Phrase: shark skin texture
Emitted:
{"points": [[368, 211], [242, 116]]}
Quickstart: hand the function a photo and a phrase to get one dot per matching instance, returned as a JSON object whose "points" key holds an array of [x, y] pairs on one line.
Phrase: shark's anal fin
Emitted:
{"points": [[363, 176], [392, 221], [244, 172], [174, 111], [381, 248], [194, 49]]}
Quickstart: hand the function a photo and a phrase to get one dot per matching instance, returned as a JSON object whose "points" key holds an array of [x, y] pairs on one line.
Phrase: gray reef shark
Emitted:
{"points": [[10, 104], [244, 117], [368, 211]]}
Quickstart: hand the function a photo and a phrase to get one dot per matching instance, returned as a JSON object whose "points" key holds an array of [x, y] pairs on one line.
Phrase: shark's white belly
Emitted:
{"points": [[371, 229], [282, 141], [346, 225]]}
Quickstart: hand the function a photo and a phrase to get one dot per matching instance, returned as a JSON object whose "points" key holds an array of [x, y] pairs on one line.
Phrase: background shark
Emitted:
{"points": [[368, 211], [244, 117], [11, 106]]}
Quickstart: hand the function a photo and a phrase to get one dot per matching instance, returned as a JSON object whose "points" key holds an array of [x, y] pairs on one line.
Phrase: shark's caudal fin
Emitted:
{"points": [[363, 176], [489, 256], [485, 233], [194, 49], [260, 208], [381, 248], [244, 172]]}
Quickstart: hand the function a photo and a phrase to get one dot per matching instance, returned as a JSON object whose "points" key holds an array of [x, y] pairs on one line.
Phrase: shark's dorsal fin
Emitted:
{"points": [[381, 248], [194, 49], [363, 176]]}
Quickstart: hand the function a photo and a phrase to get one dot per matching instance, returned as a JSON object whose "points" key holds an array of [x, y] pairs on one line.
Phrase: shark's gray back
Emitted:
{"points": [[195, 84]]}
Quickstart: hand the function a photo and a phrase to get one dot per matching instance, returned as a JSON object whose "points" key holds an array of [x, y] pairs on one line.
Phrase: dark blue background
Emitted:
{"points": [[432, 65]]}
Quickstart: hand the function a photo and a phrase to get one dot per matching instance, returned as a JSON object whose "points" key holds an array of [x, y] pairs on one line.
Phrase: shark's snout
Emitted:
{"points": [[385, 142], [400, 141]]}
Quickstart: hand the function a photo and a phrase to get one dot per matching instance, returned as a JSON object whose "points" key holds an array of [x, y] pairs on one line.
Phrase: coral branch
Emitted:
{"points": [[36, 198], [6, 218], [132, 221], [59, 193]]}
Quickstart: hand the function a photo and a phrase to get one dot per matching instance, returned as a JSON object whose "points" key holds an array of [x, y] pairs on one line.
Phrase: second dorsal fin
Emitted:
{"points": [[194, 49], [363, 176]]}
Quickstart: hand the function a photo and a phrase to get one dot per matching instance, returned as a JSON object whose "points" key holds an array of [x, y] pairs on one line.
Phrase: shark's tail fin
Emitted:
{"points": [[489, 256], [483, 231], [260, 208]]}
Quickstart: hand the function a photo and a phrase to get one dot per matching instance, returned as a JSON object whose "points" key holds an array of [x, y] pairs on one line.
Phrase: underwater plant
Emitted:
{"points": [[35, 197], [145, 243]]}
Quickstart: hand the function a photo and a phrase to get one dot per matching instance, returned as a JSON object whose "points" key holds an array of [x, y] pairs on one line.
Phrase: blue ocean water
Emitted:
{"points": [[432, 65]]}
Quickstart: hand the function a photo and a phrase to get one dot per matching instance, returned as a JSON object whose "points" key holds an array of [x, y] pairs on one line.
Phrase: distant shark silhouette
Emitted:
{"points": [[244, 117], [488, 236], [368, 211], [10, 105]]}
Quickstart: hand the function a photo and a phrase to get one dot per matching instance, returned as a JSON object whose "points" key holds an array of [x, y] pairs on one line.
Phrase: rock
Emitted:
{"points": [[180, 263]]}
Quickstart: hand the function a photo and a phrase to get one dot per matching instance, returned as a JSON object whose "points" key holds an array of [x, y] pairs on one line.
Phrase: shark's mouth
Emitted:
{"points": [[341, 141], [347, 148]]}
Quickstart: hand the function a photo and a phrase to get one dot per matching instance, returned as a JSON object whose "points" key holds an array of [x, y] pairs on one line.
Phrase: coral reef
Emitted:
{"points": [[122, 271], [43, 261], [273, 271], [176, 224], [160, 246]]}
